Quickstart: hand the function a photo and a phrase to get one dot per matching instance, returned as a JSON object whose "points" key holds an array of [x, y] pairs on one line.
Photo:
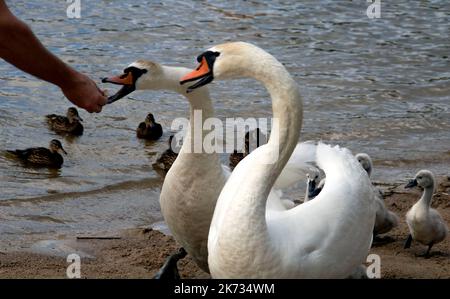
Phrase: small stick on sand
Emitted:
{"points": [[98, 238]]}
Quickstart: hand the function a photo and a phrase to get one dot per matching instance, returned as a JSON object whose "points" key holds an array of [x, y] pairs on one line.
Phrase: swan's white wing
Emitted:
{"points": [[301, 162], [330, 235], [274, 202]]}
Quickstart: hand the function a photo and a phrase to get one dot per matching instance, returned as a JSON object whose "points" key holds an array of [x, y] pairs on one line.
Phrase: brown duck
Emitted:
{"points": [[70, 124], [41, 156], [149, 129], [167, 158]]}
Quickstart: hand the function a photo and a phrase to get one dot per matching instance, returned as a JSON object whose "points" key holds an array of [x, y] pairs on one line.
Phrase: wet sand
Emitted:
{"points": [[139, 252]]}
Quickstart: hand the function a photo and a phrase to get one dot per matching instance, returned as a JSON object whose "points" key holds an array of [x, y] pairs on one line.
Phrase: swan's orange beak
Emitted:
{"points": [[125, 79], [201, 71], [127, 82]]}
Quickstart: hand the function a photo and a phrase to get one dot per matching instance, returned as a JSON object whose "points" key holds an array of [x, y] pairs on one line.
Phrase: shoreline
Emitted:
{"points": [[140, 252]]}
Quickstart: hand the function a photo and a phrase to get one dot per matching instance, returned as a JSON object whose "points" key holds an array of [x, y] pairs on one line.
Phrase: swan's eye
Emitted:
{"points": [[316, 177], [419, 177], [200, 57]]}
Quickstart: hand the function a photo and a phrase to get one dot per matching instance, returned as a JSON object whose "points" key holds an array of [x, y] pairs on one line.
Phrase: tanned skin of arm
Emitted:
{"points": [[20, 47]]}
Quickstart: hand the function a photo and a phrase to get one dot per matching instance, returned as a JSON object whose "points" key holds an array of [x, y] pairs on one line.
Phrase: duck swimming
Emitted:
{"points": [[41, 156], [71, 123], [425, 224], [149, 129], [167, 158]]}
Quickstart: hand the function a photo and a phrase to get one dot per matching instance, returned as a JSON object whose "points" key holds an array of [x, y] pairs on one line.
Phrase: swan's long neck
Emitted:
{"points": [[288, 117], [201, 107], [268, 161], [200, 110], [287, 122], [427, 195]]}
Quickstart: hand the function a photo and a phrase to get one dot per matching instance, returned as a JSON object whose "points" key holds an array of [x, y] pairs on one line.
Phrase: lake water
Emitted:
{"points": [[380, 86]]}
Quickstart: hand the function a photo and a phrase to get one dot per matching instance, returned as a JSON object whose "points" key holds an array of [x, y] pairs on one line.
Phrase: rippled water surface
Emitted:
{"points": [[380, 86]]}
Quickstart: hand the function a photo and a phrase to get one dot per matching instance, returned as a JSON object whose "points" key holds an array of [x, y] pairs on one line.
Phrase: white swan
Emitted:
{"points": [[425, 224], [385, 220], [326, 237], [193, 183]]}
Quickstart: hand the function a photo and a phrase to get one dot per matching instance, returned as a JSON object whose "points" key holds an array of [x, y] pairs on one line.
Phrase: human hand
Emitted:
{"points": [[84, 93]]}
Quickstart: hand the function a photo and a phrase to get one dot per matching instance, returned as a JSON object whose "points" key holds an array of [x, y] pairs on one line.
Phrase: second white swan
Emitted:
{"points": [[328, 237]]}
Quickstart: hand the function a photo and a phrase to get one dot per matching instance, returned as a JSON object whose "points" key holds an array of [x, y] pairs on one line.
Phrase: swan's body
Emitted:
{"points": [[194, 181], [425, 224], [327, 237]]}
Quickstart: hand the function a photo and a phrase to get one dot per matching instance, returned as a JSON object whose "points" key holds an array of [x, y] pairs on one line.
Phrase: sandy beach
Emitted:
{"points": [[139, 252]]}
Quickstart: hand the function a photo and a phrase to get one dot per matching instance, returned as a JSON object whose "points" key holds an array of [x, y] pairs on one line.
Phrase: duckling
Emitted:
{"points": [[149, 129], [66, 124], [236, 156], [167, 158], [41, 156], [385, 220], [425, 224]]}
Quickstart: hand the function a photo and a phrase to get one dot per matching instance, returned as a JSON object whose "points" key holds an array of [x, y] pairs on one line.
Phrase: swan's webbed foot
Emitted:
{"points": [[427, 254], [381, 240], [169, 270], [408, 242]]}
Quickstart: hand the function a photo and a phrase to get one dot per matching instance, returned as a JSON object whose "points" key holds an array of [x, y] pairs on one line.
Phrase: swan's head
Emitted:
{"points": [[424, 179], [229, 60], [365, 161], [141, 74], [312, 176]]}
